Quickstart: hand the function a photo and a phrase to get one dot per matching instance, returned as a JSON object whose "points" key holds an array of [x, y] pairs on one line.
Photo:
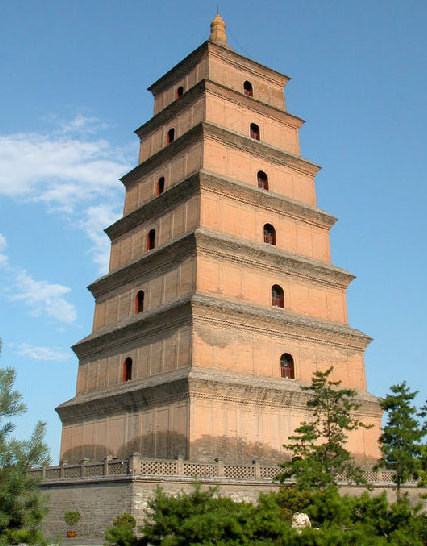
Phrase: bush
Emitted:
{"points": [[122, 531]]}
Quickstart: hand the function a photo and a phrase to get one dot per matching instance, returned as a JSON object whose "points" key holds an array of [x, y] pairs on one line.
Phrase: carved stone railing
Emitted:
{"points": [[180, 468]]}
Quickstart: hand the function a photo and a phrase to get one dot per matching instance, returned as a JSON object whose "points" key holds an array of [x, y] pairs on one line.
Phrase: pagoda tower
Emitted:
{"points": [[221, 299]]}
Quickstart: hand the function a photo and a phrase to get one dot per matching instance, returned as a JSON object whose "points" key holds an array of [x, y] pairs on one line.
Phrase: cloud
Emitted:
{"points": [[43, 297], [3, 245], [41, 353], [59, 171], [72, 172], [97, 218]]}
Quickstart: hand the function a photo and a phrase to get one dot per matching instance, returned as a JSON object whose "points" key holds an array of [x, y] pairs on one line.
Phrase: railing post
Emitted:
{"points": [[82, 467], [107, 460], [135, 464], [44, 465], [220, 468], [180, 466], [257, 470], [62, 464]]}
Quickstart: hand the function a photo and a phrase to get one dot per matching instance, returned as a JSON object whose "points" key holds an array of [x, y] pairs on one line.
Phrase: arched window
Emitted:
{"points": [[277, 296], [139, 302], [179, 92], [160, 185], [254, 131], [262, 180], [127, 370], [287, 369], [151, 239], [171, 136], [269, 234], [247, 89]]}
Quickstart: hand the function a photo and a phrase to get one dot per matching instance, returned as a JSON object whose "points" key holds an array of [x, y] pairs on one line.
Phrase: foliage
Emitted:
{"points": [[122, 531], [21, 504], [71, 517], [319, 455], [206, 518], [401, 439]]}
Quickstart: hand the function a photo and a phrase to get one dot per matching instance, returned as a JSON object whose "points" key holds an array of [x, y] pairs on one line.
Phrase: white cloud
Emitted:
{"points": [[72, 172], [43, 297], [60, 171], [3, 245], [97, 218], [41, 353]]}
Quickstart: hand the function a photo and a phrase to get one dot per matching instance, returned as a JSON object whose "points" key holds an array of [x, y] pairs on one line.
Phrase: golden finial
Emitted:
{"points": [[218, 30]]}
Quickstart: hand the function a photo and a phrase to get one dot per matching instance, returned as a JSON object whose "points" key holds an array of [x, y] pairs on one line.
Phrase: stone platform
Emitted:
{"points": [[101, 491]]}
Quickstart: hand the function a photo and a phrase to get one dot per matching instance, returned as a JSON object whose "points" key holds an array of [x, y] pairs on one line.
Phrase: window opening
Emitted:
{"points": [[262, 180], [160, 185], [171, 136], [254, 131], [269, 234], [151, 239], [277, 296], [179, 92], [139, 302], [127, 370], [247, 89], [287, 370]]}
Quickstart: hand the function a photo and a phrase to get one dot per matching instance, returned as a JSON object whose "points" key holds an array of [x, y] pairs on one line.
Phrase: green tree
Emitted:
{"points": [[122, 533], [21, 504], [401, 440], [318, 446]]}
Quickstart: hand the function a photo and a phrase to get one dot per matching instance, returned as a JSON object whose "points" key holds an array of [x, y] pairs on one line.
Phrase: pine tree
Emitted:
{"points": [[21, 503], [400, 442], [318, 446]]}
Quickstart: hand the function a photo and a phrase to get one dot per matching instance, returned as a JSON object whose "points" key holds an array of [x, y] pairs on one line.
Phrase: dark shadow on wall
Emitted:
{"points": [[162, 445], [234, 451]]}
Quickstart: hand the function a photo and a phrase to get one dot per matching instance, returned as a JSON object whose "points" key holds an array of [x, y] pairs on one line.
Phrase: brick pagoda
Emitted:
{"points": [[221, 299]]}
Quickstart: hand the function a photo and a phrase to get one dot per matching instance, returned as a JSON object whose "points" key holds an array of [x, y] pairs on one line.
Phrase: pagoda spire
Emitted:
{"points": [[218, 30]]}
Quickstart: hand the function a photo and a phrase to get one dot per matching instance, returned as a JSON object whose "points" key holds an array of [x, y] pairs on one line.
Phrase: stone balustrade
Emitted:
{"points": [[163, 468]]}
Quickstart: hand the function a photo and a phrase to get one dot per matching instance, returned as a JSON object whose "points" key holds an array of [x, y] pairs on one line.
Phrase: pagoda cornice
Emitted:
{"points": [[120, 334], [218, 312], [198, 383], [233, 316], [231, 57], [258, 148], [156, 260], [236, 140], [199, 90], [244, 193], [132, 395], [270, 258]]}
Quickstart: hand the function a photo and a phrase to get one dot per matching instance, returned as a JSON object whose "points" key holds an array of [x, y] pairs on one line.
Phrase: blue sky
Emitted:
{"points": [[73, 89]]}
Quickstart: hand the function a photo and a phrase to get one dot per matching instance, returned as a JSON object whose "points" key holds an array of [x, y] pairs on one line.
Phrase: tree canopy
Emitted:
{"points": [[21, 503], [318, 446], [401, 440]]}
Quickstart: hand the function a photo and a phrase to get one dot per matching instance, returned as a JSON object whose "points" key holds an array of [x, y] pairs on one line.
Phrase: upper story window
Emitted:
{"points": [[287, 369], [262, 180], [127, 369], [269, 234], [171, 136], [161, 185], [277, 296], [254, 131], [179, 92], [247, 89], [139, 302], [151, 239]]}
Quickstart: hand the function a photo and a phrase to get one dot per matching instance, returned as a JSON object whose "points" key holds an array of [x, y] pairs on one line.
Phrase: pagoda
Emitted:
{"points": [[221, 299]]}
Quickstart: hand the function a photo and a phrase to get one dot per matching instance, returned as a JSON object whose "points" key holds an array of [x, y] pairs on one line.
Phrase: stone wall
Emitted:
{"points": [[101, 491]]}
